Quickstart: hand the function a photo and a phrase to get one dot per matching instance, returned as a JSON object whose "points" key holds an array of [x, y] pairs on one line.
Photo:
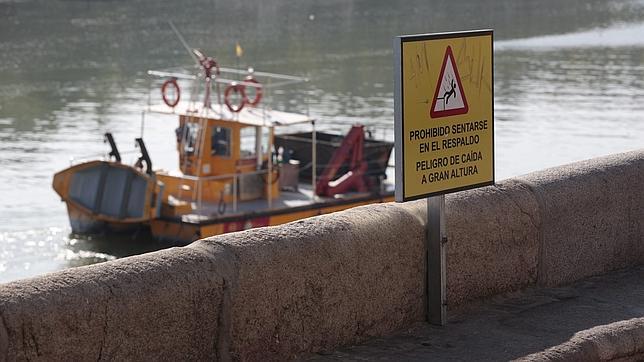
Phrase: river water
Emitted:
{"points": [[569, 85]]}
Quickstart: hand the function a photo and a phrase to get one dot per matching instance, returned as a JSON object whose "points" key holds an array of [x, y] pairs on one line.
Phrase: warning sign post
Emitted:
{"points": [[444, 132]]}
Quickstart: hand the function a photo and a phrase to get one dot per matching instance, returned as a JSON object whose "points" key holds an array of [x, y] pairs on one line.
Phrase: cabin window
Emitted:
{"points": [[265, 138], [252, 140], [220, 141], [189, 133], [248, 142]]}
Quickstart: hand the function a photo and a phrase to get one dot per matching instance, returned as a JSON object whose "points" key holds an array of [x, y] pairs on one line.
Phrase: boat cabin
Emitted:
{"points": [[224, 157]]}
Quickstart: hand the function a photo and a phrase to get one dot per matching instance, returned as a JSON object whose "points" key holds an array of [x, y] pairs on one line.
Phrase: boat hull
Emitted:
{"points": [[83, 222], [104, 197], [86, 187]]}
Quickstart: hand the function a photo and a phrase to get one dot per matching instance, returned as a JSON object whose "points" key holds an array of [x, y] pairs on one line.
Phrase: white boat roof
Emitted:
{"points": [[248, 115]]}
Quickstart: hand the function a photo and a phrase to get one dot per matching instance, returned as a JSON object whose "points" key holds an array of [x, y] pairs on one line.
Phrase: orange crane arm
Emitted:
{"points": [[352, 149]]}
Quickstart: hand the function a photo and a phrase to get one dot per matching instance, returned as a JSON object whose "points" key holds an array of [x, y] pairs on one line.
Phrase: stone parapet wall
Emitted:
{"points": [[281, 292]]}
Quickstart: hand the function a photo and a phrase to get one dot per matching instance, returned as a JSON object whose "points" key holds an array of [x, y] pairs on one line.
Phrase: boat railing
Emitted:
{"points": [[197, 196], [181, 91], [280, 80]]}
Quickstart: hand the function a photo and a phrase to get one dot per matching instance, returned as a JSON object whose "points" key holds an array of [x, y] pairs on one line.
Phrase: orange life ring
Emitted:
{"points": [[258, 91], [164, 92], [237, 88]]}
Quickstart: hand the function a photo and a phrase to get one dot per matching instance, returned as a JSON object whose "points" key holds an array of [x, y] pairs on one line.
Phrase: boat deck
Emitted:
{"points": [[289, 201]]}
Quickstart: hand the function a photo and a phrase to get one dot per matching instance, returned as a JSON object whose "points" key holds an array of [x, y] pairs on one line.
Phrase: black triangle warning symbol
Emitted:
{"points": [[449, 98]]}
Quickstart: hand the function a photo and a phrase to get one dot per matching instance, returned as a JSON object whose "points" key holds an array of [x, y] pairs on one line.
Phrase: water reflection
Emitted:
{"points": [[83, 247], [36, 251], [567, 86], [561, 101], [614, 36]]}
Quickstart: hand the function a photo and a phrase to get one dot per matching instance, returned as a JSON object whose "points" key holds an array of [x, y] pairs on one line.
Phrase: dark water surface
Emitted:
{"points": [[568, 86]]}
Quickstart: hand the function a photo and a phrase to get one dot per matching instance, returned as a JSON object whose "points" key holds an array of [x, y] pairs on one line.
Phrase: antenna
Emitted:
{"points": [[202, 61], [191, 51]]}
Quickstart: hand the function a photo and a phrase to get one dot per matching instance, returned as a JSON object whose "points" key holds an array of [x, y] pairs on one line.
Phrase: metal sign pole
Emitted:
{"points": [[436, 238]]}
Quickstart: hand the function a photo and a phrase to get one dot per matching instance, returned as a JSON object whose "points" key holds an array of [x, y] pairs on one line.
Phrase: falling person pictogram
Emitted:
{"points": [[448, 93], [449, 97]]}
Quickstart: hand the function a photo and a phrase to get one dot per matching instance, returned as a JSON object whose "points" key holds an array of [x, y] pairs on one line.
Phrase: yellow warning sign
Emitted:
{"points": [[444, 115]]}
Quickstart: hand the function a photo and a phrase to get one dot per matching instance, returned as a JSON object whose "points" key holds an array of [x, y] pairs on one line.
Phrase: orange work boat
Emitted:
{"points": [[237, 170]]}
